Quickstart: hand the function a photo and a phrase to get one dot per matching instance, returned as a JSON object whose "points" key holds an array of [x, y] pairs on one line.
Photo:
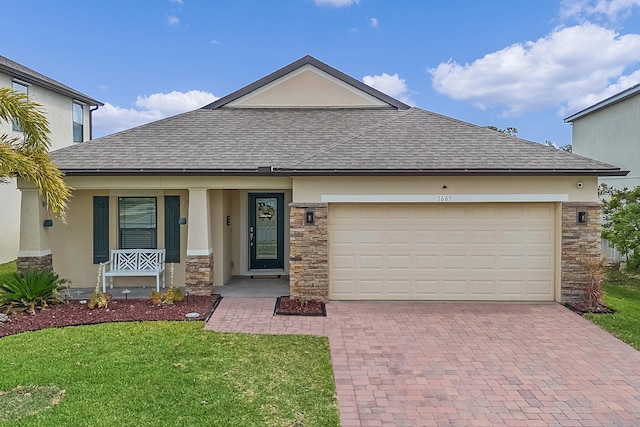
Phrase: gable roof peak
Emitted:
{"points": [[292, 67]]}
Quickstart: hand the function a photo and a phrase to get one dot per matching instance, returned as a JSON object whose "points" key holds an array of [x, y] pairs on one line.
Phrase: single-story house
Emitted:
{"points": [[354, 195]]}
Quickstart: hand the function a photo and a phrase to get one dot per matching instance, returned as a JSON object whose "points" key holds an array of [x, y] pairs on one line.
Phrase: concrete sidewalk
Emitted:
{"points": [[462, 364]]}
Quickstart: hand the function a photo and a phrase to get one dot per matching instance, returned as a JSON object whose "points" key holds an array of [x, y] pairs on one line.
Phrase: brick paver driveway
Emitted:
{"points": [[436, 364]]}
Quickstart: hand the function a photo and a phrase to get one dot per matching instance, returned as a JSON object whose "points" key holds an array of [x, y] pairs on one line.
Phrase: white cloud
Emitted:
{"points": [[610, 9], [392, 85], [214, 42], [553, 70], [173, 21], [588, 99], [336, 3], [112, 118], [177, 1], [374, 22]]}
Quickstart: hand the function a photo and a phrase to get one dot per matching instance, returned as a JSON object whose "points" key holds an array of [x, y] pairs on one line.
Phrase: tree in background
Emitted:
{"points": [[567, 147], [28, 156], [509, 131], [621, 222]]}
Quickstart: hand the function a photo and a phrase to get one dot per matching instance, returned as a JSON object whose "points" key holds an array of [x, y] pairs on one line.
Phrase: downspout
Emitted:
{"points": [[91, 110]]}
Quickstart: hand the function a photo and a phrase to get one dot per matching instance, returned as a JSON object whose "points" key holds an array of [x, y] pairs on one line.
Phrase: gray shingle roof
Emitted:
{"points": [[30, 76], [318, 141]]}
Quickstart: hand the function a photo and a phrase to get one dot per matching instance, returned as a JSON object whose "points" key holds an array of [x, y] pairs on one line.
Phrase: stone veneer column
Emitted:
{"points": [[579, 240], [26, 263], [199, 274], [309, 252], [35, 250], [199, 259]]}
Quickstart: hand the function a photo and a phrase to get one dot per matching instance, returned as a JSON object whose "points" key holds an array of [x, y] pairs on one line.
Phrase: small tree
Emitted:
{"points": [[621, 225]]}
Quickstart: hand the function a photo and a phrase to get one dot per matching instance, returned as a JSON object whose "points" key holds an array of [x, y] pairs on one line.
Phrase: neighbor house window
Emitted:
{"points": [[137, 223], [78, 117], [23, 88]]}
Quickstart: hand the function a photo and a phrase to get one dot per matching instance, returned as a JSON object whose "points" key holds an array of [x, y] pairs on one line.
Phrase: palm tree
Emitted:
{"points": [[28, 157]]}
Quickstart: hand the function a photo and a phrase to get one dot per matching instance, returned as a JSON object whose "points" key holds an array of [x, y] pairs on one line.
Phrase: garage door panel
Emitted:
{"points": [[500, 251], [371, 261], [347, 262]]}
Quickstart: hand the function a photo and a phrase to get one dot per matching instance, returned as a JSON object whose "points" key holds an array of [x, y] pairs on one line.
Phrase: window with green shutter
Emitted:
{"points": [[172, 228], [100, 229]]}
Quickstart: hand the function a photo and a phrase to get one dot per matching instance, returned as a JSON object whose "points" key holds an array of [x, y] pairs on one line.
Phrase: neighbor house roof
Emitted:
{"points": [[618, 97], [28, 75], [397, 140]]}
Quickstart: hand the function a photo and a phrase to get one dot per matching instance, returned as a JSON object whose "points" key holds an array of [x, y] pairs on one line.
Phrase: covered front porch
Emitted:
{"points": [[215, 229]]}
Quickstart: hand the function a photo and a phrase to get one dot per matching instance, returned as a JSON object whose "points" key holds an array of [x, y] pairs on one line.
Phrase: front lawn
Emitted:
{"points": [[622, 293], [7, 270], [164, 374]]}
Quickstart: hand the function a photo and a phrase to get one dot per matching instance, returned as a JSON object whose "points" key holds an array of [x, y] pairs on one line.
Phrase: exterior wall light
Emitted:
{"points": [[309, 217], [182, 221], [48, 223]]}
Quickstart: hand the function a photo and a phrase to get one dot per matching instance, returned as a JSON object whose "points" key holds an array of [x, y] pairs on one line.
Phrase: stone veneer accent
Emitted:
{"points": [[579, 240], [309, 252], [199, 274], [40, 263]]}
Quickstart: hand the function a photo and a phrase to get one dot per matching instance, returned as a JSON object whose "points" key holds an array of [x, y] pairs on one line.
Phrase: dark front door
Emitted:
{"points": [[266, 231]]}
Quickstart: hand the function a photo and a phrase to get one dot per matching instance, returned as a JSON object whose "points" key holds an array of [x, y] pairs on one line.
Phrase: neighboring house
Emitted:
{"points": [[69, 115], [609, 131], [310, 173]]}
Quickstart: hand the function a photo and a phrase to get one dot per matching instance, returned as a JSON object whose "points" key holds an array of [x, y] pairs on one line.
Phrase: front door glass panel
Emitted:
{"points": [[266, 231]]}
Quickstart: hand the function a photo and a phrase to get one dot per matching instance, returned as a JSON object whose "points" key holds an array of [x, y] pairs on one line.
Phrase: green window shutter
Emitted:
{"points": [[100, 229], [172, 228]]}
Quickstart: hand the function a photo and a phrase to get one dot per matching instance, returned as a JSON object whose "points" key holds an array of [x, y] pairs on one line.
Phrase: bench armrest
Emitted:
{"points": [[104, 265]]}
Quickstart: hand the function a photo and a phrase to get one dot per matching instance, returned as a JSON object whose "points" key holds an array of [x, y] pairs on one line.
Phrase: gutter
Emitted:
{"points": [[91, 110], [268, 172]]}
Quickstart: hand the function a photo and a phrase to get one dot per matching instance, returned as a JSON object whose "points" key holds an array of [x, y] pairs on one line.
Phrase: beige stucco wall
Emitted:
{"points": [[612, 135], [311, 189], [58, 110], [304, 88], [72, 243]]}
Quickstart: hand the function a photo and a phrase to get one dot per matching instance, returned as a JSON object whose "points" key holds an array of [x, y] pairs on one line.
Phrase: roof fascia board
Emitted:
{"points": [[618, 97], [297, 64], [58, 88]]}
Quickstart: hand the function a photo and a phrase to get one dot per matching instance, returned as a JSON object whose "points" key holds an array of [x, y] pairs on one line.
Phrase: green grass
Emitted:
{"points": [[622, 293], [6, 270], [170, 374]]}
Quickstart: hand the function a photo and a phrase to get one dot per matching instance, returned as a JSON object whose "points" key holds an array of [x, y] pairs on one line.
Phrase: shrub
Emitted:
{"points": [[32, 291], [172, 295], [596, 274]]}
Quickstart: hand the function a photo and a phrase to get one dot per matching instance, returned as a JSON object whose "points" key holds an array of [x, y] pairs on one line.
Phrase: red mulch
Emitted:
{"points": [[288, 306], [118, 310]]}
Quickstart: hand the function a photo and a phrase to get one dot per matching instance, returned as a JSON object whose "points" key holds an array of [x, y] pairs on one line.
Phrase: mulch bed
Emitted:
{"points": [[585, 308], [293, 307], [118, 310]]}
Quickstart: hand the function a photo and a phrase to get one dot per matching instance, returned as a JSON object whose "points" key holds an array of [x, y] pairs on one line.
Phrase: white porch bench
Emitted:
{"points": [[134, 262]]}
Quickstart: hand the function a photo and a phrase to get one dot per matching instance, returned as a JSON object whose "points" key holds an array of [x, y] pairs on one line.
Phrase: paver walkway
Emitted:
{"points": [[438, 364]]}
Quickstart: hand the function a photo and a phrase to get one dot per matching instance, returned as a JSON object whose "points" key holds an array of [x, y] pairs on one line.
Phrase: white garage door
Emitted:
{"points": [[474, 251]]}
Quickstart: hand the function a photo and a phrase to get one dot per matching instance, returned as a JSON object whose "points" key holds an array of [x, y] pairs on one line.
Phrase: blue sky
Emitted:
{"points": [[523, 64]]}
